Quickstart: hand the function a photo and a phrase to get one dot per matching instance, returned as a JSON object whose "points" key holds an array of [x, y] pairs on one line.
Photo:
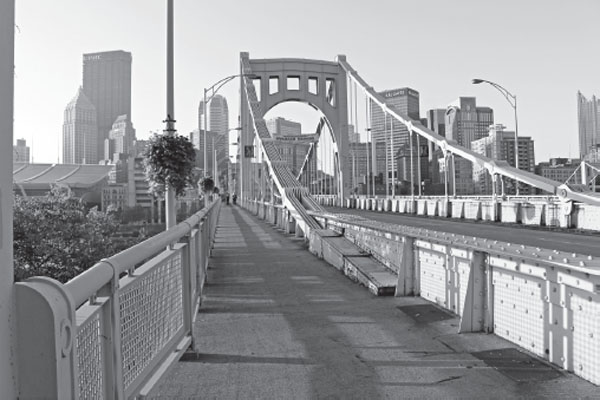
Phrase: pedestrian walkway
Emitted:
{"points": [[278, 323]]}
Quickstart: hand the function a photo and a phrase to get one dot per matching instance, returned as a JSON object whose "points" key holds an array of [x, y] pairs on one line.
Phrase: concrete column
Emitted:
{"points": [[7, 318]]}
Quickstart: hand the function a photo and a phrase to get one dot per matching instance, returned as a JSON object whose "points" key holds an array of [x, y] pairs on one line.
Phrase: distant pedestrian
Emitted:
{"points": [[227, 198], [234, 198]]}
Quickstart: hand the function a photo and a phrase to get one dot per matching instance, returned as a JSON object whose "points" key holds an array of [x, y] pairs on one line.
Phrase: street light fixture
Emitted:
{"points": [[512, 100], [213, 91]]}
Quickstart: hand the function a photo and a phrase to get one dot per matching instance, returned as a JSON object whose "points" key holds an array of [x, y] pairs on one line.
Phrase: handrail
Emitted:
{"points": [[494, 166], [86, 284]]}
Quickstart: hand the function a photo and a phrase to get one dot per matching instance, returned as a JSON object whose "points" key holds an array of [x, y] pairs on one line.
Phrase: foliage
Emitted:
{"points": [[169, 160], [207, 184], [57, 236]]}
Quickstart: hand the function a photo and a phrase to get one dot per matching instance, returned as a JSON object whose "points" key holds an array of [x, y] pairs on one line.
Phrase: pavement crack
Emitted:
{"points": [[451, 378]]}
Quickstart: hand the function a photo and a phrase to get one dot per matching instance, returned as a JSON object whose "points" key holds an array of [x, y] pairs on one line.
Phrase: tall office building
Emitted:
{"points": [[218, 123], [395, 134], [588, 117], [466, 122], [21, 151], [283, 127], [121, 138], [197, 139], [80, 131], [107, 85], [500, 145], [436, 121]]}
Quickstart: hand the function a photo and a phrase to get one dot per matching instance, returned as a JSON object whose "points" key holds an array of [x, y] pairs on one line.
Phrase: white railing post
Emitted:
{"points": [[112, 319], [46, 340]]}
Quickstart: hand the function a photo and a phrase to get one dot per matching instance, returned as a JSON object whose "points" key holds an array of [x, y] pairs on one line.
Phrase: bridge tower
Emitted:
{"points": [[320, 84]]}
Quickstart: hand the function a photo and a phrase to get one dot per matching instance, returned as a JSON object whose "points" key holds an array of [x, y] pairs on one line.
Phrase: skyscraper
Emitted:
{"points": [[436, 121], [121, 137], [218, 123], [588, 117], [283, 127], [406, 102], [107, 85], [466, 122], [500, 145], [21, 151], [80, 131]]}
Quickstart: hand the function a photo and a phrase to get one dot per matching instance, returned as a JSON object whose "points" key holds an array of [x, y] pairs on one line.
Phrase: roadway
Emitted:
{"points": [[562, 240], [278, 323]]}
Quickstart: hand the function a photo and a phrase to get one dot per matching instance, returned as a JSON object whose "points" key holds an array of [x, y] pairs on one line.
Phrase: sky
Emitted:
{"points": [[543, 51]]}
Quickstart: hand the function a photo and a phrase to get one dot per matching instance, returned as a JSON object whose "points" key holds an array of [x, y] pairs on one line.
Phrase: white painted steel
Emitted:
{"points": [[133, 324], [545, 301]]}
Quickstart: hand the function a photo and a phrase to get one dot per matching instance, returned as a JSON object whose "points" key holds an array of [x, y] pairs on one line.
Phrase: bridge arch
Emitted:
{"points": [[320, 84]]}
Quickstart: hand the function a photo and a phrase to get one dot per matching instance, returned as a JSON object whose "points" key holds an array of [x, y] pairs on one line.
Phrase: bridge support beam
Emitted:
{"points": [[475, 304], [407, 269]]}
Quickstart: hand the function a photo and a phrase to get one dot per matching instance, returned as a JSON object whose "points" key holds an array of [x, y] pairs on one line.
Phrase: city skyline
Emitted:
{"points": [[539, 56]]}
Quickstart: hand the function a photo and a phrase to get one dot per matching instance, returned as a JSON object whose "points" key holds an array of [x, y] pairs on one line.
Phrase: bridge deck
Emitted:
{"points": [[278, 323]]}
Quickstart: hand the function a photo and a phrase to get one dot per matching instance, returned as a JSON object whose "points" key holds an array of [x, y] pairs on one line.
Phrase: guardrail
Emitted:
{"points": [[113, 330], [546, 301], [527, 210]]}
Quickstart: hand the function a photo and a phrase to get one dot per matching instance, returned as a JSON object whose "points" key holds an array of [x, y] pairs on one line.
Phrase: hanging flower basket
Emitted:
{"points": [[169, 160], [207, 184]]}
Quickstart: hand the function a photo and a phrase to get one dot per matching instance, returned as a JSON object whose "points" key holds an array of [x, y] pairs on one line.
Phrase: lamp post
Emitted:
{"points": [[213, 91], [170, 199], [512, 100]]}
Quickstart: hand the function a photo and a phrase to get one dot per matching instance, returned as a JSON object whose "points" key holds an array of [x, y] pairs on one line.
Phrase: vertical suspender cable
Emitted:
{"points": [[412, 172], [419, 163], [394, 166], [367, 178], [387, 165]]}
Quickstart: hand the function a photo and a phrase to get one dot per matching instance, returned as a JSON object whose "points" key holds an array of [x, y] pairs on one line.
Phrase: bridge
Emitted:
{"points": [[119, 329]]}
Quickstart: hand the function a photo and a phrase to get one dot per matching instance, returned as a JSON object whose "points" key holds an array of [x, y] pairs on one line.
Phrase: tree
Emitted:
{"points": [[57, 236]]}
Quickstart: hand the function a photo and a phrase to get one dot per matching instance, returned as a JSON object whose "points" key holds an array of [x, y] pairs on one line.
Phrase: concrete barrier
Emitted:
{"points": [[411, 206], [489, 211], [387, 205], [444, 208], [511, 212], [458, 209], [586, 216], [473, 210], [558, 214], [421, 207], [432, 208], [532, 213]]}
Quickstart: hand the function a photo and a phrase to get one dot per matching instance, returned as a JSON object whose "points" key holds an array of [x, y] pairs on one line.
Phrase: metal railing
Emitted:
{"points": [[111, 332]]}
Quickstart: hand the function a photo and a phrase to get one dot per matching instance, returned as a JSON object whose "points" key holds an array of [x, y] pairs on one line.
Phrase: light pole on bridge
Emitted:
{"points": [[213, 90], [512, 100]]}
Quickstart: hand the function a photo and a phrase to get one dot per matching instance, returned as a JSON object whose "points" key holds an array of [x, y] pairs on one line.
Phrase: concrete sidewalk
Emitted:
{"points": [[278, 323]]}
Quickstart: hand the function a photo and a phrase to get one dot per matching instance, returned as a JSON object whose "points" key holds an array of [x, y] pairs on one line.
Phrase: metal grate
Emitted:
{"points": [[151, 312], [433, 276], [586, 333], [519, 310], [89, 358]]}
